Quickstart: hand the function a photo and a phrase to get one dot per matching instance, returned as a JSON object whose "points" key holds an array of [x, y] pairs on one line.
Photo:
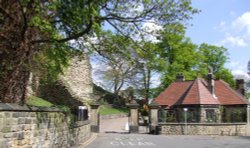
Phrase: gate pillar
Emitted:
{"points": [[94, 118], [248, 120], [133, 117], [153, 120]]}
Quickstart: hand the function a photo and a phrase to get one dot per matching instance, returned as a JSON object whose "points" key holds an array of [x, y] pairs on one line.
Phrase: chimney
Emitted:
{"points": [[240, 86], [180, 77], [210, 79]]}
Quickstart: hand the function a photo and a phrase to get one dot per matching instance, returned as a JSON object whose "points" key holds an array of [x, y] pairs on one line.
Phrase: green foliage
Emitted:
{"points": [[39, 28], [216, 57], [39, 102], [36, 101], [213, 56], [226, 75], [148, 63], [49, 63], [179, 52], [189, 59], [247, 95]]}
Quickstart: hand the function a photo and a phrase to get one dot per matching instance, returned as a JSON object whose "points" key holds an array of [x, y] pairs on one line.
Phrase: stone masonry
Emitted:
{"points": [[30, 127], [77, 78], [74, 87], [225, 129]]}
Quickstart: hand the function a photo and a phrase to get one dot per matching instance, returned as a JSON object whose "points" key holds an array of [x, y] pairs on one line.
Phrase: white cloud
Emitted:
{"points": [[242, 23], [240, 74], [150, 31], [238, 32], [239, 70], [221, 27], [155, 80], [234, 41], [151, 26]]}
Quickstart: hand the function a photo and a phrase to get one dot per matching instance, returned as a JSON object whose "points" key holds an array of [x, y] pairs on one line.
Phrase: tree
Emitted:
{"points": [[191, 60], [216, 57], [179, 52], [149, 64], [226, 75], [117, 73], [29, 26], [213, 56], [115, 53]]}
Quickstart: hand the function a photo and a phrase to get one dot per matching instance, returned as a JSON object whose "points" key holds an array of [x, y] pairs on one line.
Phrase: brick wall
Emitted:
{"points": [[30, 127]]}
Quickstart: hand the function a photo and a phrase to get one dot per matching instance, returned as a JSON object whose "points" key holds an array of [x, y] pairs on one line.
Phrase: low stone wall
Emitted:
{"points": [[225, 129], [31, 127]]}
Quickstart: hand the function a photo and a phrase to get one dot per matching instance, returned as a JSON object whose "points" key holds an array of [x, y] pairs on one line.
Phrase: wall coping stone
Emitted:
{"points": [[208, 124], [17, 107]]}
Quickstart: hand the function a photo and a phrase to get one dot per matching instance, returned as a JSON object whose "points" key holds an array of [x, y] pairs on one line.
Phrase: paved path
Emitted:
{"points": [[113, 125], [114, 135]]}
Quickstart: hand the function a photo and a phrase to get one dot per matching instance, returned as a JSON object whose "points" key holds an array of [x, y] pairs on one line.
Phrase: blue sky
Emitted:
{"points": [[224, 23]]}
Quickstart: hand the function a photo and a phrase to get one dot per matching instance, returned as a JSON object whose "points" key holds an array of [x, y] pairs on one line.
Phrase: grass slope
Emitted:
{"points": [[36, 101], [107, 110]]}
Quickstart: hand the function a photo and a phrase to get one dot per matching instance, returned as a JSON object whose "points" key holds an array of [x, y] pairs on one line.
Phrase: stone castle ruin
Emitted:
{"points": [[73, 88]]}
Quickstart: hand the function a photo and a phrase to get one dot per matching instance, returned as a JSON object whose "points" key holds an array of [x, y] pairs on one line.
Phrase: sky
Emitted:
{"points": [[224, 23]]}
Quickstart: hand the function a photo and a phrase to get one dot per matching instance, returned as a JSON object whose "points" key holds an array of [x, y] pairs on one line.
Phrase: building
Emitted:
{"points": [[205, 101]]}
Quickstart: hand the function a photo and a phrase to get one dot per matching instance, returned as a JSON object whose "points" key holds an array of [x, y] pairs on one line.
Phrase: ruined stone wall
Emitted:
{"points": [[23, 126], [74, 87], [77, 78]]}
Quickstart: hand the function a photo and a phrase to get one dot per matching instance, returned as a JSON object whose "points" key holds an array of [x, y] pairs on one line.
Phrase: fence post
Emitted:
{"points": [[133, 117], [94, 118], [154, 126]]}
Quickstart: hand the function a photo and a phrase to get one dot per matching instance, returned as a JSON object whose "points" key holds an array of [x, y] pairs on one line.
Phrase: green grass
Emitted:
{"points": [[36, 101], [106, 110], [39, 102]]}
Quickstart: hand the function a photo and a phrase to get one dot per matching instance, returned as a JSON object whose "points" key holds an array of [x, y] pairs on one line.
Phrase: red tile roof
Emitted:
{"points": [[226, 95], [173, 93], [196, 93]]}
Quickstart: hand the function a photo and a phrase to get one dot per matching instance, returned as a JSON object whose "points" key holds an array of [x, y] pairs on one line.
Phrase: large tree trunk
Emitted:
{"points": [[15, 50], [13, 84]]}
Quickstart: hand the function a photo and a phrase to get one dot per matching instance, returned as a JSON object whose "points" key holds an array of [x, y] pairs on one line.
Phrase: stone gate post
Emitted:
{"points": [[94, 118], [133, 117], [248, 115], [248, 120], [153, 128]]}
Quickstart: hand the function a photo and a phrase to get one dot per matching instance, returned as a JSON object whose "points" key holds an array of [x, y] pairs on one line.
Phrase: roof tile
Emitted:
{"points": [[196, 92]]}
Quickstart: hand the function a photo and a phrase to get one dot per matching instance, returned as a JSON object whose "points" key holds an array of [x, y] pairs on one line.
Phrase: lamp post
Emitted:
{"points": [[185, 116]]}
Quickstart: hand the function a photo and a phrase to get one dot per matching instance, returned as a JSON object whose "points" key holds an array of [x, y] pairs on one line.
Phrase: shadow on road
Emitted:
{"points": [[244, 137], [115, 132]]}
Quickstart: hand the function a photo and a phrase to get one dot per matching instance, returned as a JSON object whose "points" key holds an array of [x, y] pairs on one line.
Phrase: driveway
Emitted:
{"points": [[113, 135], [117, 125], [114, 140]]}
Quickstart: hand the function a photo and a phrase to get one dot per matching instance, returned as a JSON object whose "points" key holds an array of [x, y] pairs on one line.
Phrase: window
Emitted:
{"points": [[210, 115]]}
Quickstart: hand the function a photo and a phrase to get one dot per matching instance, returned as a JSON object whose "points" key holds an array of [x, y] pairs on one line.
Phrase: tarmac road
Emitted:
{"points": [[115, 140], [114, 135]]}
